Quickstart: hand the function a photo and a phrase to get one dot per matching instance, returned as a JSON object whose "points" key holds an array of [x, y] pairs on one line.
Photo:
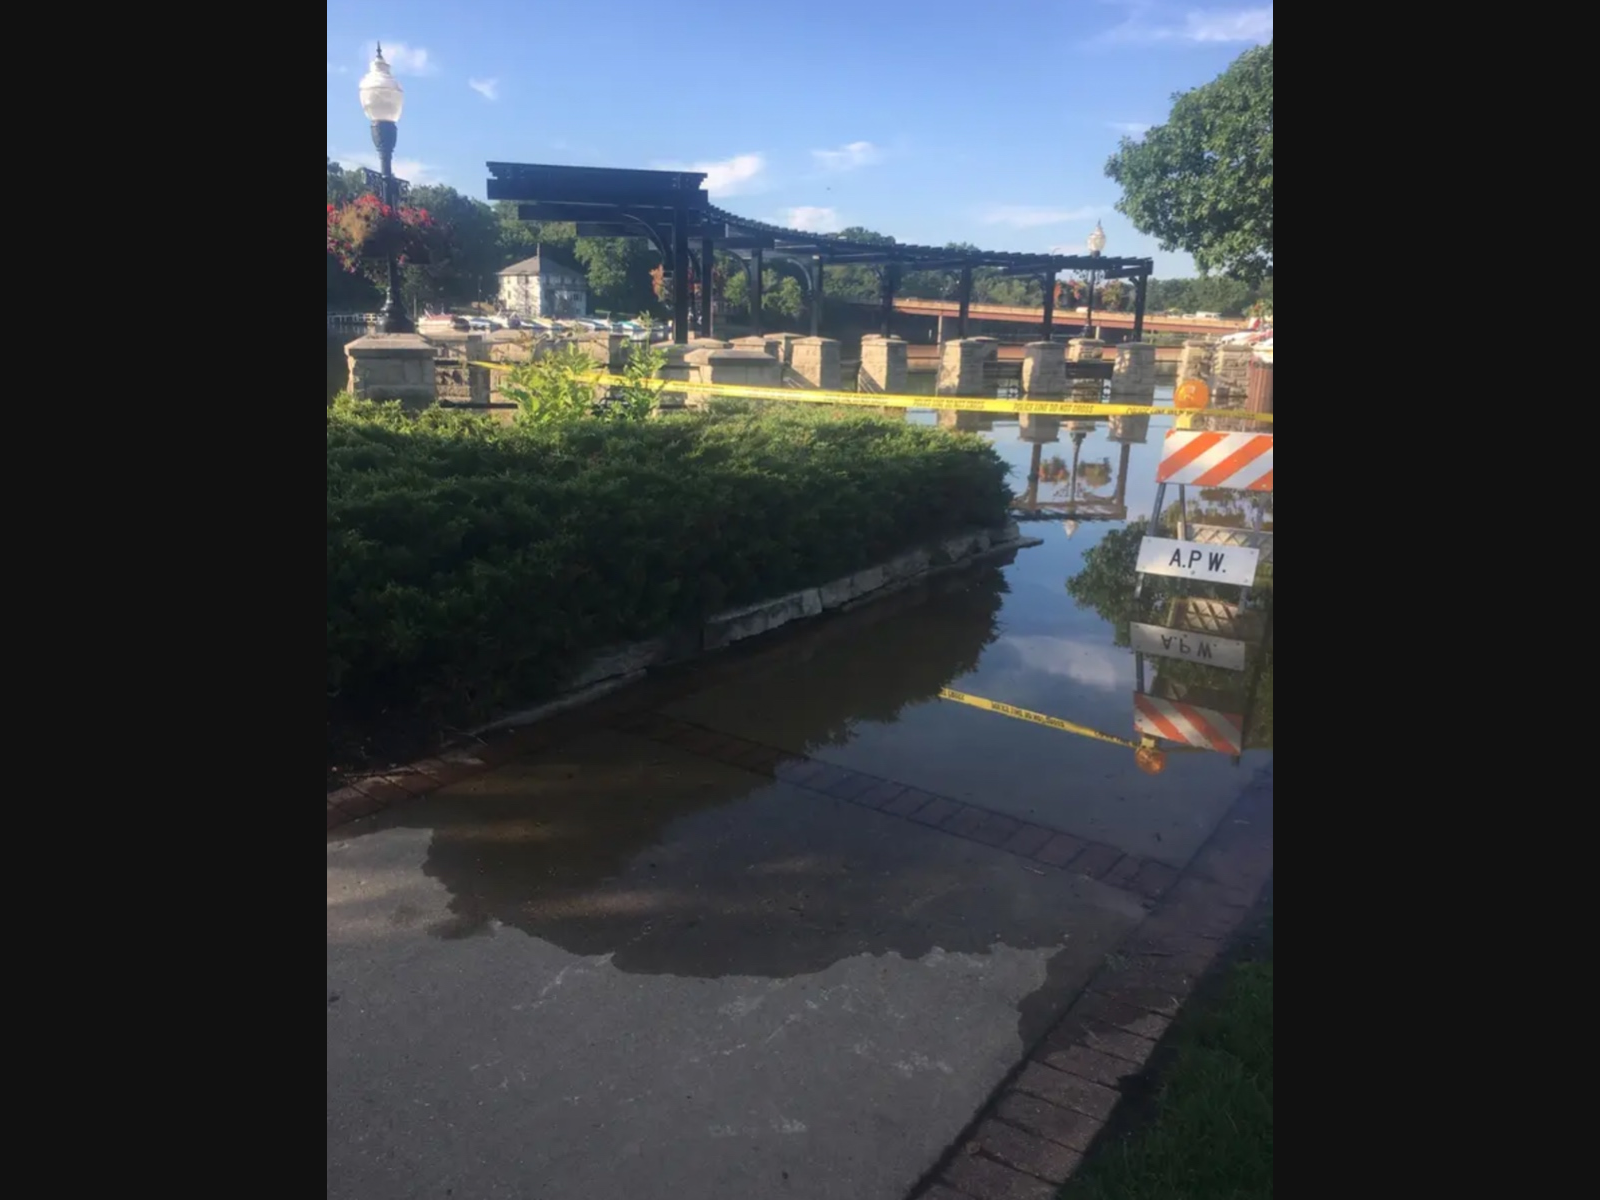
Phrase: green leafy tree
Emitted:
{"points": [[1202, 182], [618, 270], [853, 283]]}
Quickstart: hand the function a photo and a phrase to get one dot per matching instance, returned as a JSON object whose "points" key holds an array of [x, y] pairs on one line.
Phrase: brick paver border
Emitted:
{"points": [[1034, 1132], [1040, 844]]}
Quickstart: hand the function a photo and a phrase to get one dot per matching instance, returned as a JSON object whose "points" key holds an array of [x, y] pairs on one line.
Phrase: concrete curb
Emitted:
{"points": [[1033, 1134]]}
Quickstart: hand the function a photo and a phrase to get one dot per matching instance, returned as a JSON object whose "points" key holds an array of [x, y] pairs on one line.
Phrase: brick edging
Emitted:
{"points": [[1040, 844], [1033, 1133]]}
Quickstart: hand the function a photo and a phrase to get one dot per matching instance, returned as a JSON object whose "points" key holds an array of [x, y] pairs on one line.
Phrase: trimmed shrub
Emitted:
{"points": [[472, 565]]}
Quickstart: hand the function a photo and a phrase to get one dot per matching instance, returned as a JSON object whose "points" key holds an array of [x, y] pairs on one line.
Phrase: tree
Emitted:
{"points": [[618, 270], [1203, 181], [852, 282]]}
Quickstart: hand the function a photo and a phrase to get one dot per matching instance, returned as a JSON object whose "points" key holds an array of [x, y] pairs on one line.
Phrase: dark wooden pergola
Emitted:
{"points": [[674, 211]]}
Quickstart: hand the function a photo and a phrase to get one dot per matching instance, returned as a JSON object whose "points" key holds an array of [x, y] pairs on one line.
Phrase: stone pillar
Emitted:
{"points": [[1131, 431], [735, 368], [961, 366], [883, 365], [1195, 362], [966, 422], [1043, 369], [675, 369], [770, 344], [1230, 372], [784, 342], [393, 366], [479, 383], [1033, 428], [816, 361], [1086, 350], [1134, 377]]}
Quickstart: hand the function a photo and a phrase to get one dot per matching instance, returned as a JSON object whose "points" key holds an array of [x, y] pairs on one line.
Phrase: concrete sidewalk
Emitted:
{"points": [[625, 969]]}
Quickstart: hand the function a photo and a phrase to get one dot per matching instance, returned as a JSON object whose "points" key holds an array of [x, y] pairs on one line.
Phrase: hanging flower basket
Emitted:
{"points": [[367, 228]]}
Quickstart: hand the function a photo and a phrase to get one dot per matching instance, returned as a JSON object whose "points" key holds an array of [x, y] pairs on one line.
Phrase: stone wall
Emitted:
{"points": [[393, 366]]}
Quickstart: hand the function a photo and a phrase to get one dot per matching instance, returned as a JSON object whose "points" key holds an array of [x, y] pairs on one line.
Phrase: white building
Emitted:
{"points": [[543, 286]]}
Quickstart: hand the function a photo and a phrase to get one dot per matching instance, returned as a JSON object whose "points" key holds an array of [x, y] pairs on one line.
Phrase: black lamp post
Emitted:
{"points": [[381, 99], [1097, 243]]}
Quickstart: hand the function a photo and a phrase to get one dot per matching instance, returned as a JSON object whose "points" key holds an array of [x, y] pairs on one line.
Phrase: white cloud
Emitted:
{"points": [[408, 60], [1131, 128], [1151, 22], [811, 219], [1022, 217], [725, 177], [847, 157], [333, 70], [1249, 25], [410, 169], [1092, 665], [489, 89]]}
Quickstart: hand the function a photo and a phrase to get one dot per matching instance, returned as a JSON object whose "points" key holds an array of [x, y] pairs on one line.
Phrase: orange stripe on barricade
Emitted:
{"points": [[1185, 455]]}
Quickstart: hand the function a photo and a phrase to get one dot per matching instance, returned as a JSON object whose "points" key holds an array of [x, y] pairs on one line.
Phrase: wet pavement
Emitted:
{"points": [[624, 966]]}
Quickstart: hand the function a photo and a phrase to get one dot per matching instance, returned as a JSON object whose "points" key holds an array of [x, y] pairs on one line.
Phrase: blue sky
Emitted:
{"points": [[932, 121]]}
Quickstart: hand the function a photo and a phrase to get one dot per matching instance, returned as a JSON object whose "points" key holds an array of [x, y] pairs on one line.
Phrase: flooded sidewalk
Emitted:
{"points": [[779, 926]]}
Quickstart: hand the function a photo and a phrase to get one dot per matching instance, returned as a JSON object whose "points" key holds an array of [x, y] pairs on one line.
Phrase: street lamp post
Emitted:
{"points": [[1097, 243], [382, 99]]}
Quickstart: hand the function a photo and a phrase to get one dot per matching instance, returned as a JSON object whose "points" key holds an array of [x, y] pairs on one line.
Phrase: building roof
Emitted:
{"points": [[530, 266]]}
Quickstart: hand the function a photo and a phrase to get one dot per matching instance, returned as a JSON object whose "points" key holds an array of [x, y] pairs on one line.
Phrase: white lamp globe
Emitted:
{"points": [[1097, 239], [382, 97]]}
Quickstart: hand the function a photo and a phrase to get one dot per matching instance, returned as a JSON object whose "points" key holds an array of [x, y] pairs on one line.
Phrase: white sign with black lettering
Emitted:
{"points": [[1191, 647], [1193, 560]]}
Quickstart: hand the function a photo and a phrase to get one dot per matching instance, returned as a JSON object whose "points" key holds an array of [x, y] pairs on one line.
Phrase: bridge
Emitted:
{"points": [[1198, 326]]}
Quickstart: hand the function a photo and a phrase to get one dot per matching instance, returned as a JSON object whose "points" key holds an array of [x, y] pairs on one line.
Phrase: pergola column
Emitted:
{"points": [[680, 277], [706, 263], [966, 302], [1049, 302], [816, 292], [753, 265]]}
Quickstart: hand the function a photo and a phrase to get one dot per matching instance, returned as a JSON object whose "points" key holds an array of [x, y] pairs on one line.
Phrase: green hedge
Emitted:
{"points": [[472, 565]]}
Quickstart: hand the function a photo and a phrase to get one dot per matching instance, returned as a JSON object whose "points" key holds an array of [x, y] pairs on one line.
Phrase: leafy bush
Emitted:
{"points": [[472, 564], [558, 386]]}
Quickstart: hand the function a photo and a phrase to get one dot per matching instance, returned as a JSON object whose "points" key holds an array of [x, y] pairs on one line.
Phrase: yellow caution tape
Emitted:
{"points": [[1052, 408], [1022, 714]]}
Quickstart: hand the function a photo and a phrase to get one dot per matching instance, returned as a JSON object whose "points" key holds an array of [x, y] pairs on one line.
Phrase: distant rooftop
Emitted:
{"points": [[531, 266]]}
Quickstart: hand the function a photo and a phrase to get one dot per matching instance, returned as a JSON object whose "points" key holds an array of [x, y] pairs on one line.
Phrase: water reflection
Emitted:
{"points": [[1057, 488]]}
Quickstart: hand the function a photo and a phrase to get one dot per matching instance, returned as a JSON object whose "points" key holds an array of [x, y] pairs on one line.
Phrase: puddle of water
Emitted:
{"points": [[676, 863]]}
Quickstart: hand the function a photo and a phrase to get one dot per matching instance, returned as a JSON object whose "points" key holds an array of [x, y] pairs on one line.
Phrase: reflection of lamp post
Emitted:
{"points": [[381, 99], [1077, 436], [1097, 243]]}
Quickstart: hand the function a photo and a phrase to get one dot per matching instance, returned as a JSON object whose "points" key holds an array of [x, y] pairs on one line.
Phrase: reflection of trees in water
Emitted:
{"points": [[896, 662], [1231, 509]]}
